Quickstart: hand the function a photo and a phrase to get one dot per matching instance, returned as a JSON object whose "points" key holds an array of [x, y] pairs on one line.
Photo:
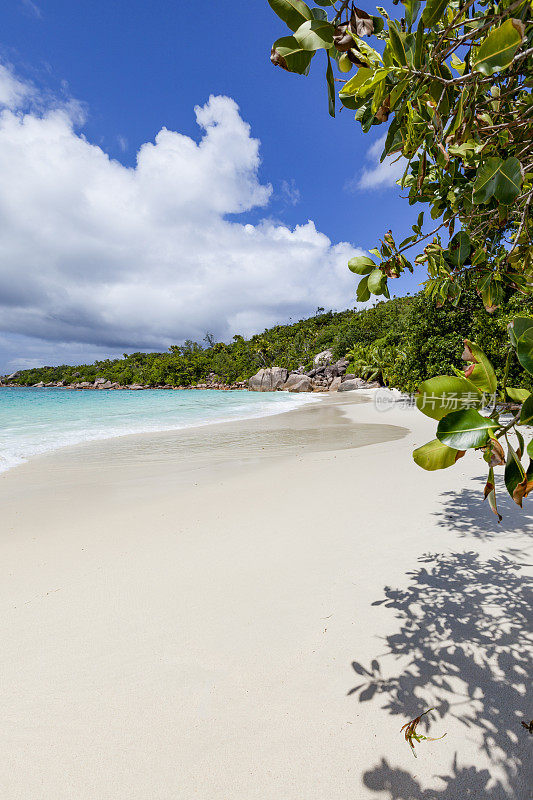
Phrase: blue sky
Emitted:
{"points": [[135, 68]]}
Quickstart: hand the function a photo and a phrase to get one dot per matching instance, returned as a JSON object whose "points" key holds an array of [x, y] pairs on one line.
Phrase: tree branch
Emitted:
{"points": [[431, 233]]}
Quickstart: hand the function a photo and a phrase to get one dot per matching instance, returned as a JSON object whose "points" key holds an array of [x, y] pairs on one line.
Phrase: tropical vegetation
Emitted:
{"points": [[452, 78], [402, 342], [456, 402]]}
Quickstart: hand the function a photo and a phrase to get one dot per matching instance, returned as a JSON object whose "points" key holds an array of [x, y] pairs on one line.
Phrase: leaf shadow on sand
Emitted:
{"points": [[465, 642], [465, 513]]}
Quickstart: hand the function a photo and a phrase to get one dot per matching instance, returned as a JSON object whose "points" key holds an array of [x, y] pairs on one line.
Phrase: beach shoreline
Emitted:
{"points": [[199, 614], [83, 436]]}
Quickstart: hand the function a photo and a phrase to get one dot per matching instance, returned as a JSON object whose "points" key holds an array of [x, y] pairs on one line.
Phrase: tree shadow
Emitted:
{"points": [[466, 513], [465, 641], [464, 782]]}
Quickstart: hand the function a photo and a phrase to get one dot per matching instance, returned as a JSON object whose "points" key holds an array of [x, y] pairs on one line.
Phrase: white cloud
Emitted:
{"points": [[381, 174], [97, 253], [13, 92], [290, 192]]}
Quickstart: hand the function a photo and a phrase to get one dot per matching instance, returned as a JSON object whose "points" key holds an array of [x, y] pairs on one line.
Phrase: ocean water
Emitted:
{"points": [[34, 421]]}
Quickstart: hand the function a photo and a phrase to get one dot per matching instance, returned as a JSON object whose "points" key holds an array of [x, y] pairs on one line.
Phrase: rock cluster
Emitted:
{"points": [[268, 380], [324, 377]]}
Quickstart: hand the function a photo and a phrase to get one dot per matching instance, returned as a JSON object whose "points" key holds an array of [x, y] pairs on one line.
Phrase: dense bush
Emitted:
{"points": [[415, 338]]}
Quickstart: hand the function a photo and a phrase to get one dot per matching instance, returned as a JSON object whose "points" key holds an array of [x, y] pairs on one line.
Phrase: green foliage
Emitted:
{"points": [[455, 401], [456, 91], [375, 362]]}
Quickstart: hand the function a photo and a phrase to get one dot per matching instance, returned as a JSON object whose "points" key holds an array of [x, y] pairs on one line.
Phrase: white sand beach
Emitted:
{"points": [[252, 610]]}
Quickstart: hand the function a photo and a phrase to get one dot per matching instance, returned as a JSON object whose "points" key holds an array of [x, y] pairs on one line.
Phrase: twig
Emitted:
{"points": [[452, 23], [469, 76], [492, 20], [422, 238]]}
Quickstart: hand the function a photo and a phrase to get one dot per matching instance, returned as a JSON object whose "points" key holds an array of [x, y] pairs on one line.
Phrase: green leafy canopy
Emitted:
{"points": [[453, 84]]}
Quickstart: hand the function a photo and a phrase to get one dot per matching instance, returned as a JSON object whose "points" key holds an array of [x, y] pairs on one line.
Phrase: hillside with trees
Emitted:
{"points": [[401, 342]]}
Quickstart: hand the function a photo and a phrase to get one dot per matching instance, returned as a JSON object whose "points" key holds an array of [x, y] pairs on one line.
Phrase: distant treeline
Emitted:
{"points": [[417, 339]]}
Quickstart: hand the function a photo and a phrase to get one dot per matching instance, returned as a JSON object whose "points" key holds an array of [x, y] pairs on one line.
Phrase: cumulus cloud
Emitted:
{"points": [[381, 174], [96, 253]]}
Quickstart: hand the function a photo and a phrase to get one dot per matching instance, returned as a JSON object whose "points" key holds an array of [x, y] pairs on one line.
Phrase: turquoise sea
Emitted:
{"points": [[34, 421]]}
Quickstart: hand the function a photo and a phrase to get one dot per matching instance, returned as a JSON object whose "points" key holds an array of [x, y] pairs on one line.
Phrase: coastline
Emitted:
{"points": [[293, 401], [189, 614]]}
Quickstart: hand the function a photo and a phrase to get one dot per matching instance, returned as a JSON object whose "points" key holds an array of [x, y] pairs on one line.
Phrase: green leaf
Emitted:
{"points": [[319, 13], [497, 51], [486, 178], [292, 12], [502, 179], [518, 395], [396, 40], [361, 86], [517, 327], [361, 265], [375, 281], [482, 376], [412, 7], [324, 2], [348, 102], [397, 92], [362, 291], [433, 12], [379, 24], [465, 429], [509, 182], [352, 86], [290, 55], [457, 64], [314, 35], [524, 350], [490, 288], [419, 44], [479, 257], [369, 54], [526, 414], [441, 395], [490, 492], [435, 455], [514, 473], [520, 438], [331, 88], [458, 116], [459, 248]]}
